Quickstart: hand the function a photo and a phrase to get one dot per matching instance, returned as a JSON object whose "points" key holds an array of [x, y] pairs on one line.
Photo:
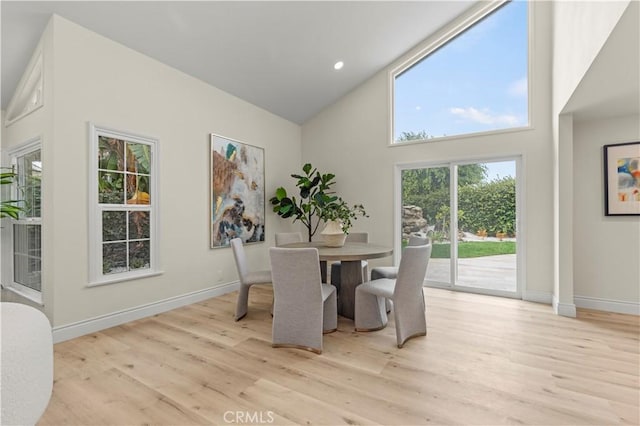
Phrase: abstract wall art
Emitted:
{"points": [[622, 179], [237, 192]]}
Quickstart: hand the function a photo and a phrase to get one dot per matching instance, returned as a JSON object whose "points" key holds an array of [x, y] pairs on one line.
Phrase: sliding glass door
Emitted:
{"points": [[469, 210], [426, 211]]}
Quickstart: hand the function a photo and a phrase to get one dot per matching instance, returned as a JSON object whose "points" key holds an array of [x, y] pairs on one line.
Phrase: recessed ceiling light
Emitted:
{"points": [[338, 65]]}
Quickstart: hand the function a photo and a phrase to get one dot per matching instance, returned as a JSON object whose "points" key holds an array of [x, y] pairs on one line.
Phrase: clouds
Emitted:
{"points": [[485, 116], [519, 88]]}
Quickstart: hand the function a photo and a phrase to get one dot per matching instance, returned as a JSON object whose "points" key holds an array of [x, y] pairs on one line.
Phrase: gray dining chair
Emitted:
{"points": [[247, 278], [353, 237], [392, 271], [283, 238], [304, 308], [406, 293]]}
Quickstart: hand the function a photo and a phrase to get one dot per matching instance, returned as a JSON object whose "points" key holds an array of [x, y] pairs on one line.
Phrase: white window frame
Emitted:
{"points": [[29, 95], [457, 28], [28, 147], [96, 276]]}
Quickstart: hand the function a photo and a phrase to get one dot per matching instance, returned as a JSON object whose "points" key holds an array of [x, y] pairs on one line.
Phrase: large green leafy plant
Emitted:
{"points": [[9, 208], [314, 195]]}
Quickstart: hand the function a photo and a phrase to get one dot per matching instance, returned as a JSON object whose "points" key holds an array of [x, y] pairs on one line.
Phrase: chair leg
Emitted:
{"points": [[242, 302], [370, 312], [330, 314], [410, 321]]}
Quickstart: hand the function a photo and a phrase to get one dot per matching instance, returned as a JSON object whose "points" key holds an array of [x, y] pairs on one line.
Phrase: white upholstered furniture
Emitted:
{"points": [[247, 278], [27, 364], [406, 293], [392, 271], [349, 256], [304, 308]]}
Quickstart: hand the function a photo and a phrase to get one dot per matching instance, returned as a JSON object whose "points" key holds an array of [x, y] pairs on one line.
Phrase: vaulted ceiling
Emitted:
{"points": [[611, 85], [278, 55]]}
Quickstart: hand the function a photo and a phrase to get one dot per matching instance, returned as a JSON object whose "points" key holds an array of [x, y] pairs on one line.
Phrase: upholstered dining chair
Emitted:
{"points": [[353, 237], [247, 278], [283, 238], [392, 271], [304, 308], [406, 293]]}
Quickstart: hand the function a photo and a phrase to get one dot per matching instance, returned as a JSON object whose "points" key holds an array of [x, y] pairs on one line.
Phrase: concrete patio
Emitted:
{"points": [[489, 272]]}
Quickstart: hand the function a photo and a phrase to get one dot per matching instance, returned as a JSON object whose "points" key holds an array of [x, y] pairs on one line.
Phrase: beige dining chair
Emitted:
{"points": [[406, 293], [353, 237], [247, 278], [304, 308], [283, 238], [392, 271]]}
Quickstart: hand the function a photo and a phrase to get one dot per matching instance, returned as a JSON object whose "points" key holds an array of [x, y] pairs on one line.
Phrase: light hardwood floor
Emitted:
{"points": [[484, 361]]}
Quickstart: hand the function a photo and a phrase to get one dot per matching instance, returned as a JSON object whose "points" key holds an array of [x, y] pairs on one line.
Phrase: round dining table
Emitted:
{"points": [[349, 256]]}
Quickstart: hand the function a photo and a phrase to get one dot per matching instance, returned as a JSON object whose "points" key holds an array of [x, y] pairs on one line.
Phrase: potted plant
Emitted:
{"points": [[9, 208], [315, 194], [339, 217]]}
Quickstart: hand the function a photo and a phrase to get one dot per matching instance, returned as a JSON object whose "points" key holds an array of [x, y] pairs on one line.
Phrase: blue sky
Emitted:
{"points": [[500, 170], [477, 82]]}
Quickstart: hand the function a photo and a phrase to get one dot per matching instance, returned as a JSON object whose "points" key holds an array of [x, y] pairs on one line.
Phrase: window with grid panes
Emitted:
{"points": [[125, 201]]}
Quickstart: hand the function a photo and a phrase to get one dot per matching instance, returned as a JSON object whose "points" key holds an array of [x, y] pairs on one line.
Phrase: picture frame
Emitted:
{"points": [[237, 204], [622, 179]]}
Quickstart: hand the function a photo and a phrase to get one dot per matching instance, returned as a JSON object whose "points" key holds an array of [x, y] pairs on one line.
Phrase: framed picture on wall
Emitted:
{"points": [[622, 179], [237, 192]]}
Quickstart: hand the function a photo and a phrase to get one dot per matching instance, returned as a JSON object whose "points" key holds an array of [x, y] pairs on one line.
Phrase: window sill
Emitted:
{"points": [[115, 280], [462, 136]]}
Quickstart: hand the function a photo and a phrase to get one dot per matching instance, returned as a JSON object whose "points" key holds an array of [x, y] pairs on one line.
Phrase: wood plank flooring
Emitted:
{"points": [[484, 361]]}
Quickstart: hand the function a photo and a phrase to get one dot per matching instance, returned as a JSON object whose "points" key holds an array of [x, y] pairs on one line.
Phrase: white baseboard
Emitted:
{"points": [[564, 309], [608, 305], [537, 296], [102, 322], [569, 310]]}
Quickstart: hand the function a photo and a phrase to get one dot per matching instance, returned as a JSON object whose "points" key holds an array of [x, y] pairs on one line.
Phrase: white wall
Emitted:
{"points": [[606, 248], [97, 80], [580, 29], [350, 138], [38, 123]]}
